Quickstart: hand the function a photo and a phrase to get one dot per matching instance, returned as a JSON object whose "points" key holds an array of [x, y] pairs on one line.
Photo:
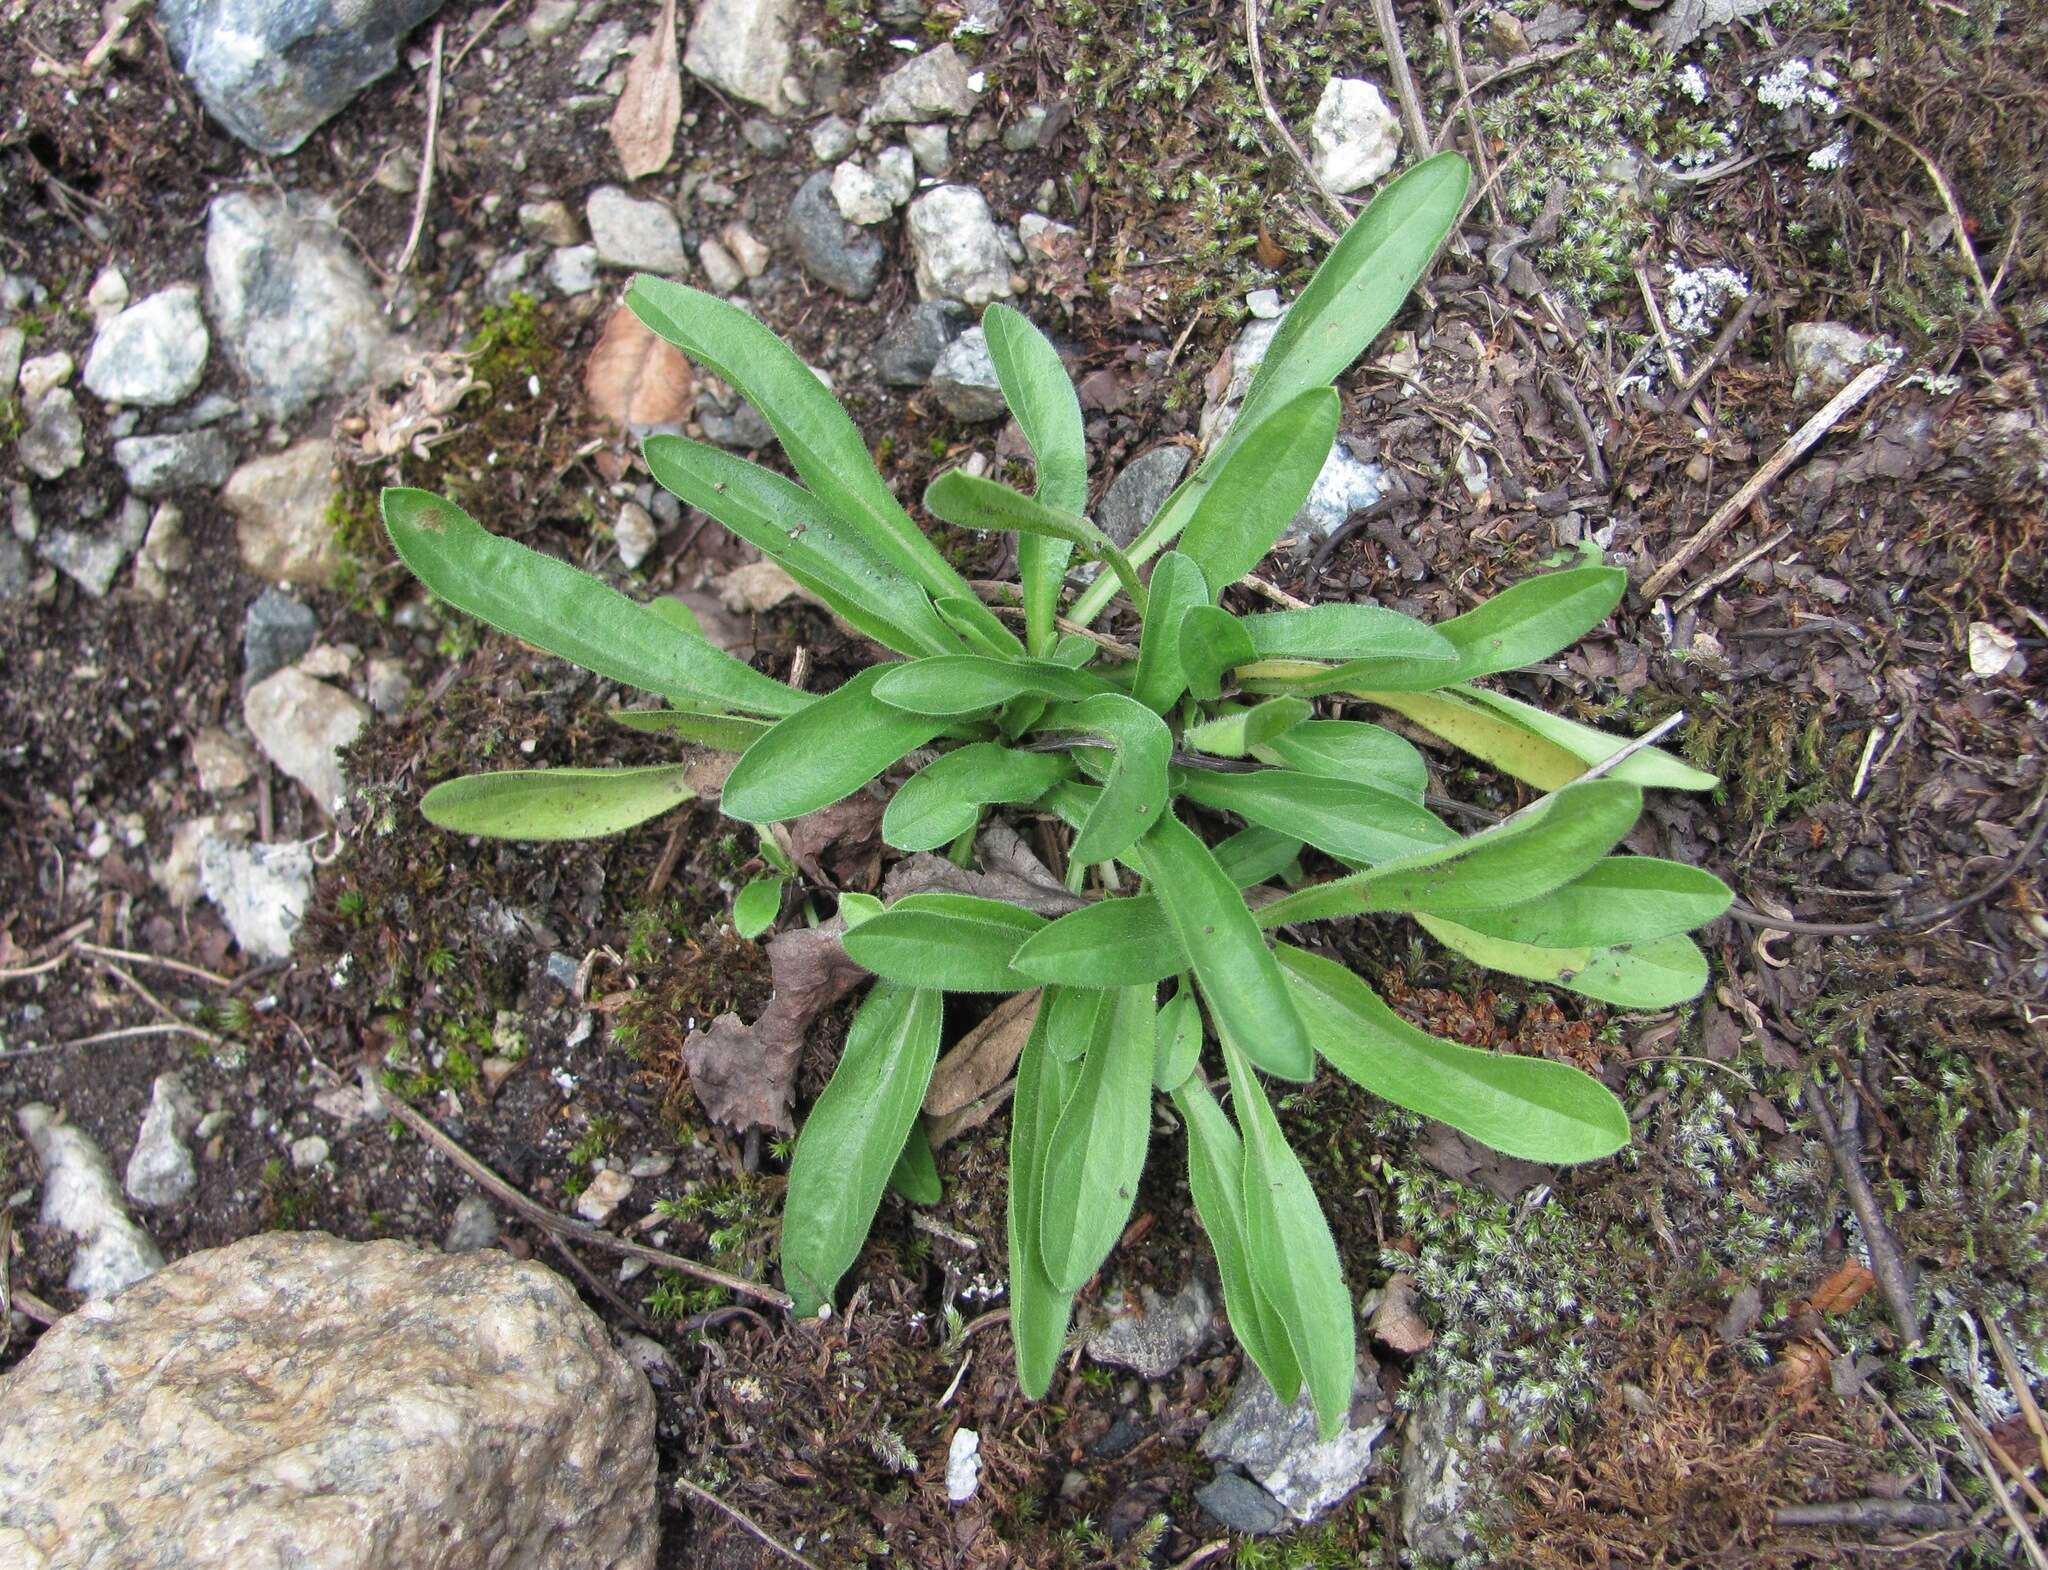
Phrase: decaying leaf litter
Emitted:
{"points": [[1875, 780]]}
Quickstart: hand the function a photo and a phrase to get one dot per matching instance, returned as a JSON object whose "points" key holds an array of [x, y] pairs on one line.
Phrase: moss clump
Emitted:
{"points": [[509, 344]]}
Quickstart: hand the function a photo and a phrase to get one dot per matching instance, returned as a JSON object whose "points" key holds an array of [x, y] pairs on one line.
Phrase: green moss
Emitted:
{"points": [[509, 344]]}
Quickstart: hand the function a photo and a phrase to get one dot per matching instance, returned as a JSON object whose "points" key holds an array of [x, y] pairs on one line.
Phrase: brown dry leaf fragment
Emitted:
{"points": [[1395, 1323], [651, 106], [1463, 1159], [636, 380], [939, 1131], [924, 872], [983, 1057], [1839, 1293], [745, 1075], [1801, 1366], [839, 846]]}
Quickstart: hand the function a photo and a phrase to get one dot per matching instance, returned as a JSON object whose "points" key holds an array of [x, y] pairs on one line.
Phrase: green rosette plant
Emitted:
{"points": [[1188, 779]]}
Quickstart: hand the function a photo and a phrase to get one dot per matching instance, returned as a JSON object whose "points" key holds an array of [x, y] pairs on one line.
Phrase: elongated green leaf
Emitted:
{"points": [[756, 906], [1176, 1038], [1347, 632], [1652, 768], [1522, 1106], [1212, 642], [1254, 855], [721, 732], [864, 587], [916, 1175], [966, 619], [1619, 899], [1177, 587], [1112, 943], [1350, 750], [1038, 1309], [1492, 738], [1294, 1263], [1521, 859], [1654, 974], [951, 942], [968, 683], [1098, 1150], [822, 444], [555, 804], [1236, 972], [1037, 389], [1353, 295], [1347, 819], [824, 754], [944, 799], [1134, 792], [565, 611], [1258, 486], [1236, 732], [1216, 1180], [971, 502], [851, 1141], [1070, 1016]]}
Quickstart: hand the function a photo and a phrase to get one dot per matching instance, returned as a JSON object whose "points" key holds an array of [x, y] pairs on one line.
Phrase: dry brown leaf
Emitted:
{"points": [[636, 380], [1395, 1323], [840, 845], [1801, 1366], [1839, 1293], [651, 106], [938, 1131], [925, 872], [983, 1057]]}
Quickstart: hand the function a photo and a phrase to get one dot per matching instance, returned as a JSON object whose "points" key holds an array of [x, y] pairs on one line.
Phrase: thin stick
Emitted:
{"points": [[1204, 1554], [1613, 760], [33, 970], [42, 1313], [476, 37], [554, 1221], [1948, 200], [1796, 447], [1671, 360], [135, 958], [1404, 82], [427, 161], [130, 1033], [1513, 68], [154, 1001], [2016, 1377], [1734, 569], [745, 1520], [1998, 1453], [1273, 592], [1989, 1473], [1872, 1514], [1452, 33], [1894, 1281], [1251, 38], [1681, 395]]}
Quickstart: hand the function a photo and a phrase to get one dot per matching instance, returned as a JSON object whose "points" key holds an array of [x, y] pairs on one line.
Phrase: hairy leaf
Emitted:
{"points": [[971, 502], [1655, 973], [1038, 1310], [1619, 899], [1259, 485], [1176, 1039], [756, 906], [1237, 731], [1345, 818], [1134, 792], [951, 942], [1098, 1150], [1350, 750], [1036, 387], [824, 754], [1177, 587], [944, 799], [720, 732], [960, 684], [1112, 943], [916, 1175], [1212, 642], [556, 804]]}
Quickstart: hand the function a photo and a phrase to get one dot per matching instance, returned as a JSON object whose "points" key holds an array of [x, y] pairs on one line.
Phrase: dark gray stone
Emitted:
{"points": [[1236, 1502], [1159, 1334], [1140, 491], [14, 572], [915, 340], [841, 256], [276, 630], [1283, 1450], [965, 382], [181, 460], [272, 71]]}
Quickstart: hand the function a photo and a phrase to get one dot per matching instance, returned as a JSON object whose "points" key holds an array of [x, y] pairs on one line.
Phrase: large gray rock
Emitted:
{"points": [[92, 558], [272, 71], [296, 1400], [743, 47], [1140, 490], [1447, 1446], [935, 83], [261, 891], [302, 724], [634, 233], [79, 1197], [276, 630], [174, 461], [964, 380], [1280, 1448], [153, 352], [1160, 1335], [1825, 356], [840, 255], [282, 504], [959, 250], [294, 308]]}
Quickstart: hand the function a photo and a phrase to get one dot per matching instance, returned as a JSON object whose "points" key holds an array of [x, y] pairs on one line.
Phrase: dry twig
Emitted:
{"points": [[695, 1491], [1452, 35], [1957, 223], [1404, 80], [1887, 1263], [427, 161], [1251, 40]]}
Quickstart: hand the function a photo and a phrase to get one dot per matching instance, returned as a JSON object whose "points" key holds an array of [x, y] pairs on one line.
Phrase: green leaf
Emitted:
{"points": [[1237, 731], [1037, 389], [1350, 750], [944, 799], [1653, 974], [1353, 295], [1294, 1263], [565, 611], [1519, 626], [965, 617], [1070, 1016], [1212, 642], [1526, 857], [721, 732], [822, 444], [824, 754], [1176, 1039], [1124, 942], [1522, 1106], [1239, 979], [1253, 855], [952, 942], [1097, 1152], [1651, 768], [960, 684], [676, 614], [865, 588], [854, 1136], [855, 907], [756, 907], [555, 804], [1134, 793], [916, 1175], [970, 502], [1258, 485], [1346, 819], [1511, 747], [1619, 899], [1346, 632], [1177, 587], [1038, 1310], [1216, 1180]]}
